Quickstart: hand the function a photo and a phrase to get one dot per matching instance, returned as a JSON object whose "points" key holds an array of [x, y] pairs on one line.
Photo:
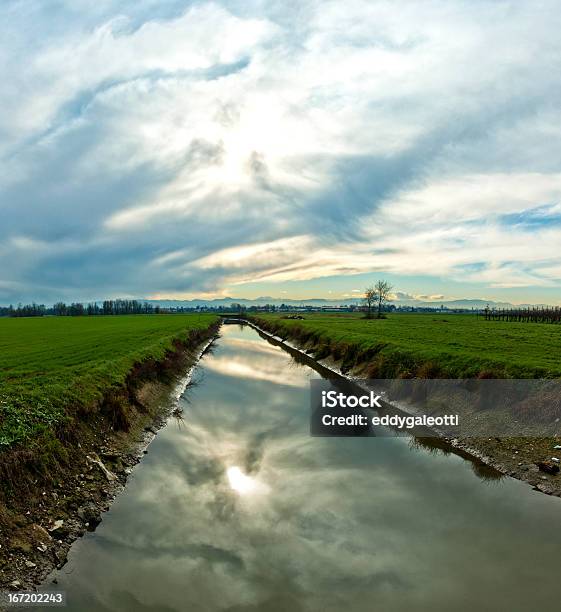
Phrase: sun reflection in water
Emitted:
{"points": [[240, 482]]}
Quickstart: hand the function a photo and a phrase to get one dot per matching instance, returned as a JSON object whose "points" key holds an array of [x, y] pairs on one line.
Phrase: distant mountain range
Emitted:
{"points": [[261, 301]]}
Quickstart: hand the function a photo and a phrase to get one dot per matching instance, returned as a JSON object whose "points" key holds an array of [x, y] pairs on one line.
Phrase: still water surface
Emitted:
{"points": [[237, 508]]}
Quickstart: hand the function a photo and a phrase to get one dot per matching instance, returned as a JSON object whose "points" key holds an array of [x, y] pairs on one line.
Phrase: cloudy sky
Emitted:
{"points": [[180, 149]]}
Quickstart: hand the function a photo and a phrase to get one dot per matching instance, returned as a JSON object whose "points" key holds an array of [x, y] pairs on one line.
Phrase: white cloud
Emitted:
{"points": [[151, 150]]}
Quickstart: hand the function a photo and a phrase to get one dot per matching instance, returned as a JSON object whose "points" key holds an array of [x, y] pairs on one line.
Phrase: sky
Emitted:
{"points": [[154, 148]]}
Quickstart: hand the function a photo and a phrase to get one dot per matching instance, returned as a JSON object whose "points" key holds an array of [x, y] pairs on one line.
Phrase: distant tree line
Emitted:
{"points": [[77, 309], [27, 310], [534, 314], [108, 307]]}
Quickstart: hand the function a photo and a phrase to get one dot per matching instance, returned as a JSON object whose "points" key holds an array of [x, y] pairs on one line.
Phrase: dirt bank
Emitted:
{"points": [[516, 457], [50, 499]]}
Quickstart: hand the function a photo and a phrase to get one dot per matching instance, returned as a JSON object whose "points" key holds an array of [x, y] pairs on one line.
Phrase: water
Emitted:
{"points": [[237, 508]]}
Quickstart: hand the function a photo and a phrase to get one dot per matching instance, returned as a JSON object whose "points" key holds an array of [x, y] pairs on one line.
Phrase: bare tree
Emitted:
{"points": [[382, 291], [378, 294], [369, 300]]}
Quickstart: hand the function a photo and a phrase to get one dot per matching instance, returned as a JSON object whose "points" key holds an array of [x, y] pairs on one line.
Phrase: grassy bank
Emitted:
{"points": [[77, 395], [57, 368], [427, 345]]}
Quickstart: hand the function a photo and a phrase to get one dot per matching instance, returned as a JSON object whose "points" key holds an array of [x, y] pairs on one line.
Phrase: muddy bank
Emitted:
{"points": [[48, 500], [517, 457]]}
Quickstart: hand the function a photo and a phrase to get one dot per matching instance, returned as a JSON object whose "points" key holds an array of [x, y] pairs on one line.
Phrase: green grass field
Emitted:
{"points": [[48, 365], [456, 345]]}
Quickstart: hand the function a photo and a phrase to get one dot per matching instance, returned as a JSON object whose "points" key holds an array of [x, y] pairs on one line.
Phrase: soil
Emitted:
{"points": [[519, 458]]}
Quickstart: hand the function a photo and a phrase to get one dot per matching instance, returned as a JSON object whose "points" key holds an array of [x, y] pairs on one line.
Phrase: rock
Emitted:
{"points": [[555, 459], [15, 584], [42, 548], [111, 455], [548, 466], [97, 461], [151, 429], [30, 564], [58, 530], [557, 447], [90, 515], [61, 557]]}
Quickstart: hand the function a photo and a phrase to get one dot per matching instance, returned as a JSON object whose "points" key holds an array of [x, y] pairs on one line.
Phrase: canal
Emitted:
{"points": [[236, 507]]}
